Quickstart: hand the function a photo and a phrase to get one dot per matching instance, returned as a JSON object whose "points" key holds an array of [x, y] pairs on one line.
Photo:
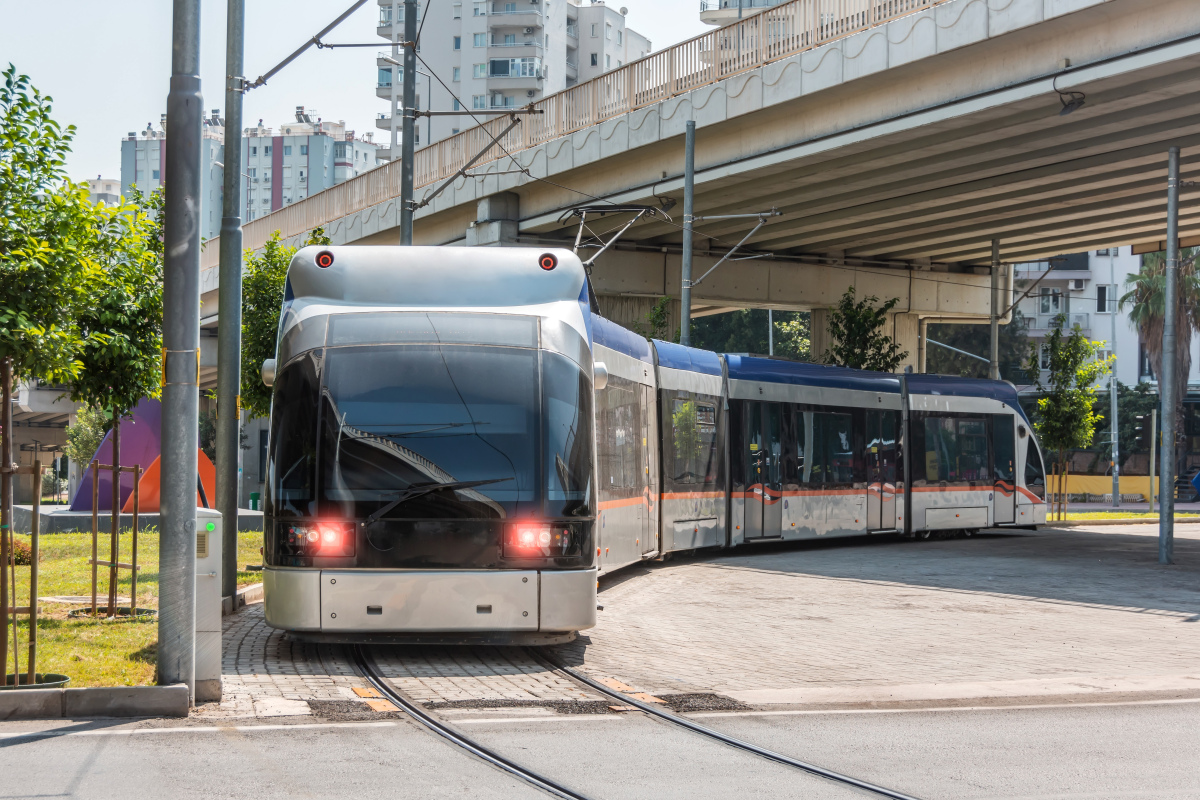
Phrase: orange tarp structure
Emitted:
{"points": [[149, 489]]}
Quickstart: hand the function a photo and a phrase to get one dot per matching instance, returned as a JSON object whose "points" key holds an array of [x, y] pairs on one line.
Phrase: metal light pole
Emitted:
{"points": [[994, 317], [1153, 443], [229, 323], [770, 332], [409, 144], [181, 355], [1112, 378], [1166, 496], [689, 200]]}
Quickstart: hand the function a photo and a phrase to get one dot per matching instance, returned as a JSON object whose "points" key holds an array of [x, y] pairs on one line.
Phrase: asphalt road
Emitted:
{"points": [[1130, 751]]}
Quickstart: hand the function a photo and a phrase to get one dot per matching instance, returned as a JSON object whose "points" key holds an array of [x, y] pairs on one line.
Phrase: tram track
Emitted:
{"points": [[682, 722], [370, 670]]}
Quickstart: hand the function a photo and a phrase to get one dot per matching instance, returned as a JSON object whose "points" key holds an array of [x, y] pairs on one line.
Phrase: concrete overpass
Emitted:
{"points": [[898, 140]]}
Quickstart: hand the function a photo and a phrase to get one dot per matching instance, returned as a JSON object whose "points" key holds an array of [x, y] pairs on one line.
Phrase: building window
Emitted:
{"points": [[457, 105], [1044, 356], [607, 61], [480, 10], [287, 174], [515, 68], [253, 151], [620, 38], [593, 30], [1049, 301], [481, 40], [303, 149], [479, 101], [480, 70], [287, 149], [458, 11], [252, 172], [453, 131], [458, 43], [503, 101], [608, 31], [267, 150], [510, 8], [595, 60], [154, 174], [457, 74], [1103, 252], [1106, 298]]}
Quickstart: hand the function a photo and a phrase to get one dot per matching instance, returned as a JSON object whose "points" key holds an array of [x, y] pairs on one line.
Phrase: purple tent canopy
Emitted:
{"points": [[141, 443]]}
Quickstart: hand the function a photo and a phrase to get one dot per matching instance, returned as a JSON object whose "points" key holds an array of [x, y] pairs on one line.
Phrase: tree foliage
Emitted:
{"points": [[1014, 347], [745, 331], [86, 433], [121, 324], [1132, 402], [856, 332], [263, 282], [656, 324], [44, 232], [1066, 417]]}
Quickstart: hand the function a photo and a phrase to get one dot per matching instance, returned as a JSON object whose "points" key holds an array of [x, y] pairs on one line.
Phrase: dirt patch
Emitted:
{"points": [[701, 701], [349, 711], [559, 706]]}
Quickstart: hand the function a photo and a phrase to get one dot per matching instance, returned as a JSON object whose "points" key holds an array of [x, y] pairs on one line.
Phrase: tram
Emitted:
{"points": [[459, 445]]}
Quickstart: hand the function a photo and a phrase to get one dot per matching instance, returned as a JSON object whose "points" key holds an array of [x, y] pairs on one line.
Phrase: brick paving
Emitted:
{"points": [[1053, 612], [1002, 611]]}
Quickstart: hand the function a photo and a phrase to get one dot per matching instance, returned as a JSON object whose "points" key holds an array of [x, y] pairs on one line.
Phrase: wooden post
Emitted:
{"points": [[114, 551], [34, 555], [137, 479], [95, 526]]}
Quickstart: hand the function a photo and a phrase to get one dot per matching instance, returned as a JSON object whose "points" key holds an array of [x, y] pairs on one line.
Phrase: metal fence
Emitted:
{"points": [[766, 36]]}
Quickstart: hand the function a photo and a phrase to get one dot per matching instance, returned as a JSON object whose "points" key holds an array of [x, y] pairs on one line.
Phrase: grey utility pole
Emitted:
{"points": [[1111, 302], [181, 355], [994, 317], [689, 201], [229, 323], [1166, 385], [409, 143], [770, 332]]}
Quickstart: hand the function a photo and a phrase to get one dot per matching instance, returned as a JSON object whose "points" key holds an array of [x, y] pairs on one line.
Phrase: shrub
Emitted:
{"points": [[21, 552]]}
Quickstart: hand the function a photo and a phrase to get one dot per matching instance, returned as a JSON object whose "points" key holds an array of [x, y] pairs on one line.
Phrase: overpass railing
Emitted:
{"points": [[766, 36]]}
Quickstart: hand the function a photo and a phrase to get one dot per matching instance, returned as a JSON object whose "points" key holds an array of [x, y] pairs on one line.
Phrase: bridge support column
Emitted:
{"points": [[906, 331], [496, 221], [635, 313], [818, 333]]}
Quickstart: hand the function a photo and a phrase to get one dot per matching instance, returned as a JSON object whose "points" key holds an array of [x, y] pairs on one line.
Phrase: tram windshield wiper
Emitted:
{"points": [[420, 489]]}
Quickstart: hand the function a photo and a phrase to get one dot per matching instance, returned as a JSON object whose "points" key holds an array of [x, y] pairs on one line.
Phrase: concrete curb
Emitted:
{"points": [[245, 596], [1081, 523], [100, 701]]}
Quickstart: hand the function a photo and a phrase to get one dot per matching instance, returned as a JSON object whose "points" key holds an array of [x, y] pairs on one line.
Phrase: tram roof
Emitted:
{"points": [[607, 333], [676, 356], [952, 386], [773, 370]]}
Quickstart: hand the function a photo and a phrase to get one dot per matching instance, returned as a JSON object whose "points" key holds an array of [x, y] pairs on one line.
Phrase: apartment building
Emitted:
{"points": [[497, 54], [104, 191], [280, 166], [1087, 287]]}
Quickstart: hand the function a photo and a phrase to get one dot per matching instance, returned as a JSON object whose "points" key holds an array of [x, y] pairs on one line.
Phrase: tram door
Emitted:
{"points": [[1004, 469], [881, 470], [764, 479]]}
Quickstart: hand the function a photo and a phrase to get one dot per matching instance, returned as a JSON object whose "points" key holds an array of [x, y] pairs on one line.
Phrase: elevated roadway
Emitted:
{"points": [[897, 143]]}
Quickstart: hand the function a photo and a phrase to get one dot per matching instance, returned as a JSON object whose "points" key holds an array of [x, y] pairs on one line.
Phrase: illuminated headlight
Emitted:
{"points": [[531, 541], [330, 539]]}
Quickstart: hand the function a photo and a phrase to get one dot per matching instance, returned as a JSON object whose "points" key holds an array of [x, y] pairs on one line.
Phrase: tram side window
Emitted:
{"points": [[955, 450], [1004, 448], [691, 453], [621, 459], [832, 454], [1035, 473], [292, 465]]}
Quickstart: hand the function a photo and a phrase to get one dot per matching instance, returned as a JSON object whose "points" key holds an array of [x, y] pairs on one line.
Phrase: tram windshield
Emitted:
{"points": [[507, 429]]}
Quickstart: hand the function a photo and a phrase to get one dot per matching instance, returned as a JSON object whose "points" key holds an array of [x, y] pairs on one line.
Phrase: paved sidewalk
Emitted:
{"points": [[1054, 614]]}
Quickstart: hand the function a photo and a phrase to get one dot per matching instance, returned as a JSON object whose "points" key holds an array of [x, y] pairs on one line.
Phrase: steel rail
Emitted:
{"points": [[366, 665], [675, 719]]}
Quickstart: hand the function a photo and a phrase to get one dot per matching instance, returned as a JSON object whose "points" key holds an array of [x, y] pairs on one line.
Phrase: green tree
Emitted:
{"points": [[1066, 418], [745, 331], [262, 302], [1014, 347], [656, 323], [856, 331], [86, 433], [44, 228], [1146, 301], [1132, 402]]}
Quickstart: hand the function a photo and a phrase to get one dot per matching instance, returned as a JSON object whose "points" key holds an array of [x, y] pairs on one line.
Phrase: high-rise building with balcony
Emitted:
{"points": [[727, 12], [497, 54], [279, 166]]}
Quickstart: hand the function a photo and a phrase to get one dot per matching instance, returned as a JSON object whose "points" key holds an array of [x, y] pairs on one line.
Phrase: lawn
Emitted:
{"points": [[100, 652]]}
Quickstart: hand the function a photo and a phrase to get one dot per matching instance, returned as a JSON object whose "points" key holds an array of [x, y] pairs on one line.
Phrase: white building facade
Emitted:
{"points": [[727, 12], [497, 54]]}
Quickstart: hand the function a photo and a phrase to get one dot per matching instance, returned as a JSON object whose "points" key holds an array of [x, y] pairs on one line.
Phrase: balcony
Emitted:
{"points": [[506, 50], [521, 17], [572, 30]]}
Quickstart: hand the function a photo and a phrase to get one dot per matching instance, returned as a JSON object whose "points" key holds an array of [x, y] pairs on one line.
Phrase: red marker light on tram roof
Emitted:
{"points": [[548, 261], [324, 259]]}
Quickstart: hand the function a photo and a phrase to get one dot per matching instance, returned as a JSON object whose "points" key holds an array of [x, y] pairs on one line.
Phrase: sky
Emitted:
{"points": [[107, 63]]}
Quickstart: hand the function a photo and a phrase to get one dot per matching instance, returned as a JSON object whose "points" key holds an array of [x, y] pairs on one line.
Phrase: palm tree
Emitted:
{"points": [[1147, 305]]}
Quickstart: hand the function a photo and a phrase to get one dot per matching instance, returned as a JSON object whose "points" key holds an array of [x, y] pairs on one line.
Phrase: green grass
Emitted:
{"points": [[100, 652]]}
